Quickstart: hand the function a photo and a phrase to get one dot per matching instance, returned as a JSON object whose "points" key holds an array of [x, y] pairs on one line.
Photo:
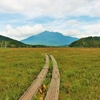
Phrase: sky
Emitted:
{"points": [[20, 19]]}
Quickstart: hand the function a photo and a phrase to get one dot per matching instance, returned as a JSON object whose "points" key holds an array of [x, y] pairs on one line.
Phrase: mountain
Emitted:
{"points": [[87, 42], [49, 38], [8, 42]]}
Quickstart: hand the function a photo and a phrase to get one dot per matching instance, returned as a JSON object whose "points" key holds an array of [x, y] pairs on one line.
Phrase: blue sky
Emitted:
{"points": [[22, 18]]}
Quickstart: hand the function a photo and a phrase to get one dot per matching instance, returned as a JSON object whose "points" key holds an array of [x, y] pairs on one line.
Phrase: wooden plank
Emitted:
{"points": [[55, 65], [55, 73], [32, 90], [43, 73], [53, 92]]}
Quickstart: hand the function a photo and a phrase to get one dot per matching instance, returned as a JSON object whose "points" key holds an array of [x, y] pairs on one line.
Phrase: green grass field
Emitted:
{"points": [[80, 74], [79, 71], [18, 68]]}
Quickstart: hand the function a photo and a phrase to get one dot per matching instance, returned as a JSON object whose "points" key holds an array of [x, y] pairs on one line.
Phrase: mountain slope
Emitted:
{"points": [[49, 38], [8, 42], [86, 42]]}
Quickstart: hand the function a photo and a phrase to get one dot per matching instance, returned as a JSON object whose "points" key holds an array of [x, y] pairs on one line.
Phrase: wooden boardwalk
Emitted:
{"points": [[53, 91], [32, 90]]}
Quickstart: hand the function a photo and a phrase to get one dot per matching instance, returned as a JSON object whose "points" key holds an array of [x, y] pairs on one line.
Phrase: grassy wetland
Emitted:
{"points": [[18, 68], [79, 71]]}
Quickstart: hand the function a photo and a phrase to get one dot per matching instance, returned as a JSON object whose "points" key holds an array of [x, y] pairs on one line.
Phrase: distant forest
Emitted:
{"points": [[11, 43], [89, 42]]}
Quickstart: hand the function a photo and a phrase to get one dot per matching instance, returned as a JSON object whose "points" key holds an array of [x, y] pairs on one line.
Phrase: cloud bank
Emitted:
{"points": [[51, 7], [22, 32], [22, 18]]}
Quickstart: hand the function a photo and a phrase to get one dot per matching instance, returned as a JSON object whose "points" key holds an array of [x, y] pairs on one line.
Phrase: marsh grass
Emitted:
{"points": [[79, 71], [18, 68]]}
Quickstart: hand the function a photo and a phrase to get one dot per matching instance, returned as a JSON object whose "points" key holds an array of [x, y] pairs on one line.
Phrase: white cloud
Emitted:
{"points": [[72, 32], [10, 6], [80, 34], [57, 8], [83, 30], [22, 32], [76, 28]]}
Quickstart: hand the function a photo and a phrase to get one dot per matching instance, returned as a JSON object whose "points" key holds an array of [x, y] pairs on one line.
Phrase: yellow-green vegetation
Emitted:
{"points": [[79, 71], [18, 68]]}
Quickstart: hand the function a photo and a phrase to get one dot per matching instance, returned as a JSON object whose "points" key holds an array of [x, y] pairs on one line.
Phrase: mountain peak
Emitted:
{"points": [[49, 38], [49, 32]]}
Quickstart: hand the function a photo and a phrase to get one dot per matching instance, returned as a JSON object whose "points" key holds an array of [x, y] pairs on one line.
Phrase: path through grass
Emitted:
{"points": [[79, 71]]}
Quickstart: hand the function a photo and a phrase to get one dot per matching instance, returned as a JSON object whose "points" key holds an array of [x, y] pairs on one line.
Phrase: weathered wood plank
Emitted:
{"points": [[55, 73], [53, 92], [43, 73], [32, 90]]}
